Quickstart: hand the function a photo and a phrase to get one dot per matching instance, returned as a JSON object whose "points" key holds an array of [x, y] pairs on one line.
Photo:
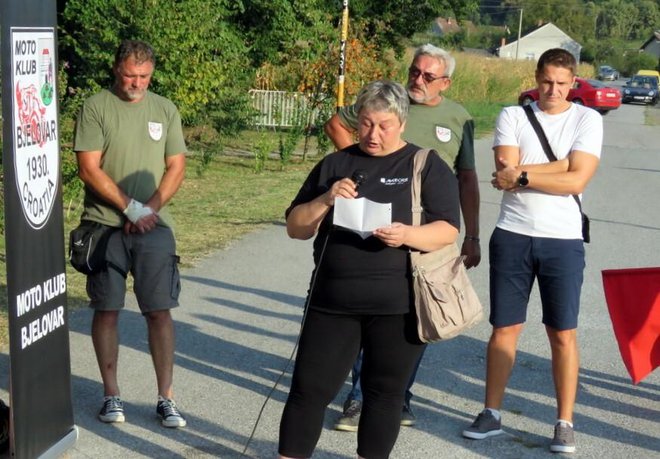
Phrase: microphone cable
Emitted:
{"points": [[359, 177], [295, 347]]}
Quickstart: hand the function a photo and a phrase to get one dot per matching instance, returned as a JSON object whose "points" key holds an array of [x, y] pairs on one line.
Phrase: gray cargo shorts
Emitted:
{"points": [[152, 261]]}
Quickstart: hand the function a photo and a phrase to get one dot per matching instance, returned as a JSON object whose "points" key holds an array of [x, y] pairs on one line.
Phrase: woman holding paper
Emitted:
{"points": [[360, 296]]}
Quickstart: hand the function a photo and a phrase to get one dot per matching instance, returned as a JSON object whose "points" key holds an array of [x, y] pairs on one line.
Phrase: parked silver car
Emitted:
{"points": [[606, 72]]}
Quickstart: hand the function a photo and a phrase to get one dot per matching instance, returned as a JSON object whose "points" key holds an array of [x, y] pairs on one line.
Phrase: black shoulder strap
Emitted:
{"points": [[539, 132], [544, 141]]}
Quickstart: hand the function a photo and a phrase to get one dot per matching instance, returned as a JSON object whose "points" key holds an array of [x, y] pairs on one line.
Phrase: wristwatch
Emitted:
{"points": [[523, 181]]}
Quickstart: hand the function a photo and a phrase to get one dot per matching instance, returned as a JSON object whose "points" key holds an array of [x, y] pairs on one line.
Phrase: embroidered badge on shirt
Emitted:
{"points": [[155, 130], [443, 134]]}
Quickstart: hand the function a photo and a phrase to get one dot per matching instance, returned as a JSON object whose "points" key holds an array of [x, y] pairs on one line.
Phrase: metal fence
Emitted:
{"points": [[281, 108]]}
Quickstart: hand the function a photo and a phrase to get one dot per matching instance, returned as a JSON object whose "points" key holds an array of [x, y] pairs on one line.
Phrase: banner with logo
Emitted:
{"points": [[40, 371]]}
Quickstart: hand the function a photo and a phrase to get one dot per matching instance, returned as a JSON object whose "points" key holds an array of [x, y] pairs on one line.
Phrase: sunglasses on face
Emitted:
{"points": [[428, 78]]}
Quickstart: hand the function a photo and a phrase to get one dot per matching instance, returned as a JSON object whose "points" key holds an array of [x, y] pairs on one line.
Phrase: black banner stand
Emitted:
{"points": [[41, 423]]}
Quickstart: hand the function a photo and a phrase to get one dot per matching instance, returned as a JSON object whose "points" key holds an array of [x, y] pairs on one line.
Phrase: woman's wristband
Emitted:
{"points": [[472, 238]]}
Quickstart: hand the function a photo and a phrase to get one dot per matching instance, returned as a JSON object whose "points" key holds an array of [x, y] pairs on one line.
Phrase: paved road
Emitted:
{"points": [[241, 315]]}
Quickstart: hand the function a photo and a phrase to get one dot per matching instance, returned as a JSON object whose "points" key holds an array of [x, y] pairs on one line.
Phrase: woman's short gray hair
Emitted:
{"points": [[438, 53], [384, 96]]}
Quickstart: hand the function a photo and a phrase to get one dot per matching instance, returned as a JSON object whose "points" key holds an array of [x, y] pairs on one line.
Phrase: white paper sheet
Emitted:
{"points": [[362, 215]]}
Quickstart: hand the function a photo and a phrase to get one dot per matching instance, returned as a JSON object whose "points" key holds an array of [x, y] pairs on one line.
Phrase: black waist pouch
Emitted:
{"points": [[87, 245], [585, 228]]}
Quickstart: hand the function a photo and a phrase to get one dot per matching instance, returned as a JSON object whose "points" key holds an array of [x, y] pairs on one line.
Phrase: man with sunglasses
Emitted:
{"points": [[436, 122]]}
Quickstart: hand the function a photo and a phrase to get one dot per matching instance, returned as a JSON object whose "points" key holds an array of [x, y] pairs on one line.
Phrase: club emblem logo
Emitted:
{"points": [[34, 122], [155, 130], [443, 134]]}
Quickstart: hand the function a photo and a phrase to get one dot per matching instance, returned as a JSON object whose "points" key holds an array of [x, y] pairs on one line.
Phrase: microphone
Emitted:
{"points": [[359, 177]]}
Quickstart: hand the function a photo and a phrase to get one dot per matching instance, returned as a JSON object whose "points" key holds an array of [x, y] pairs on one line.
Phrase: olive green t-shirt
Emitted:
{"points": [[134, 138], [446, 128]]}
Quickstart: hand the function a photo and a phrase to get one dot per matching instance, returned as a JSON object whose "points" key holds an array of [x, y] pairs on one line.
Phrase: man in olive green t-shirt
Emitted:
{"points": [[436, 122], [131, 156], [433, 122]]}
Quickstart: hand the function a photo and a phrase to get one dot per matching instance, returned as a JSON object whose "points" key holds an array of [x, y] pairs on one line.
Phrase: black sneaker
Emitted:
{"points": [[407, 416], [350, 418], [169, 413], [564, 439], [484, 426], [112, 410]]}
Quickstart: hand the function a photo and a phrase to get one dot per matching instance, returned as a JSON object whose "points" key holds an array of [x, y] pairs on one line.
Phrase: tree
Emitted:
{"points": [[647, 19], [199, 53], [616, 19], [635, 60], [393, 21], [272, 29], [583, 20], [208, 50]]}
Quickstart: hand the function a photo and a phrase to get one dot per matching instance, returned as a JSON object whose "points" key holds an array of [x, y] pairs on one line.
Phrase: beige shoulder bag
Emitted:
{"points": [[445, 301]]}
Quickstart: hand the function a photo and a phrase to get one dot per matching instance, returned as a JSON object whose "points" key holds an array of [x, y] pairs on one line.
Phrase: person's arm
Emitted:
{"points": [[468, 195], [506, 155], [581, 168], [468, 191], [425, 238], [175, 169], [304, 219], [340, 135], [439, 197], [546, 168], [90, 172], [509, 156]]}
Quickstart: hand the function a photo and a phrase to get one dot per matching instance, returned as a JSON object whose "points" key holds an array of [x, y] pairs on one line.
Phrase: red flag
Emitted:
{"points": [[633, 299]]}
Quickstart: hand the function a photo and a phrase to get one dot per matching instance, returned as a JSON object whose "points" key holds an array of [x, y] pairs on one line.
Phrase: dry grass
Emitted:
{"points": [[228, 200], [483, 79], [487, 79]]}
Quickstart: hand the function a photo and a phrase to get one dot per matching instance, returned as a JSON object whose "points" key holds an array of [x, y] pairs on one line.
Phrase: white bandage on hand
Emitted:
{"points": [[136, 210]]}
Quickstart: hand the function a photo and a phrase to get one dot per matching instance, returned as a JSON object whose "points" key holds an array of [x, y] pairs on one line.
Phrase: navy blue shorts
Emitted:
{"points": [[516, 260]]}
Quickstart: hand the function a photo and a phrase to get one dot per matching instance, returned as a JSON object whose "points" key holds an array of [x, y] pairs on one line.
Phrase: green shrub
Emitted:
{"points": [[635, 61], [262, 150], [198, 51]]}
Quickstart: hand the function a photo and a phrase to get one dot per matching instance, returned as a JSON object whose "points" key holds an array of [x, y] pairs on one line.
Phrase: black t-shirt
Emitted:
{"points": [[364, 276]]}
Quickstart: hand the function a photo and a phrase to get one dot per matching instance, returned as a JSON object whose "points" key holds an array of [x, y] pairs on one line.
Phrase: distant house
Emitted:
{"points": [[539, 40], [652, 45]]}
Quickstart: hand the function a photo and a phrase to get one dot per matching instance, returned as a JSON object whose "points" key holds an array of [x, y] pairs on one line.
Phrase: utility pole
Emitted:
{"points": [[519, 29], [342, 55]]}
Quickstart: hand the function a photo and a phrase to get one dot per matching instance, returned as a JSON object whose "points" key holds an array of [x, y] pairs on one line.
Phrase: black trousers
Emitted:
{"points": [[329, 345]]}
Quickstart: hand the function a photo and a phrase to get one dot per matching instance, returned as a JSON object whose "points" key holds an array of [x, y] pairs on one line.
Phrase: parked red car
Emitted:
{"points": [[591, 93]]}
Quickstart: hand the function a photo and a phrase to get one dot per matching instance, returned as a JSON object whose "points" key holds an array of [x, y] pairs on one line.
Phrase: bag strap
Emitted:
{"points": [[544, 141], [416, 188]]}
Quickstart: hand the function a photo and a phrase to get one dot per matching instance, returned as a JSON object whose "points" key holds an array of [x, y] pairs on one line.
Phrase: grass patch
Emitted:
{"points": [[211, 210], [652, 115], [484, 116], [229, 199]]}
